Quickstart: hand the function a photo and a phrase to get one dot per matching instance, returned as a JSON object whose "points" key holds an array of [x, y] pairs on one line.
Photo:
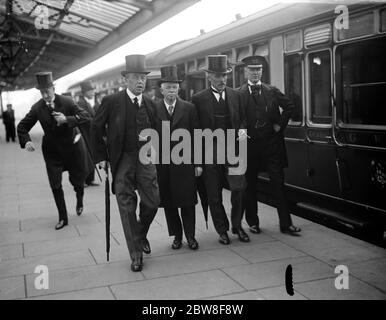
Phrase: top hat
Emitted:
{"points": [[135, 63], [44, 80], [255, 62], [218, 64], [86, 86], [169, 74]]}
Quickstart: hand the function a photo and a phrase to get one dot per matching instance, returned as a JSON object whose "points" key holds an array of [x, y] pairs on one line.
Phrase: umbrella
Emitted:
{"points": [[107, 210], [203, 198]]}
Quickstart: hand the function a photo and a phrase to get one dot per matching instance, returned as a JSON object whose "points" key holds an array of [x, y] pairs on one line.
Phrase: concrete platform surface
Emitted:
{"points": [[76, 260]]}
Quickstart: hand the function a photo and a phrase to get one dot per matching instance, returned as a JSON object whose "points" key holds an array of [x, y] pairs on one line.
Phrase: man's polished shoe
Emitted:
{"points": [[136, 265], [61, 224], [224, 239], [146, 246], [243, 237], [192, 243], [255, 229], [177, 243], [292, 230], [79, 209]]}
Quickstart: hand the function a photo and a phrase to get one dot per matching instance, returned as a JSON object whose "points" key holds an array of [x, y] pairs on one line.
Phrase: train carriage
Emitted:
{"points": [[331, 61]]}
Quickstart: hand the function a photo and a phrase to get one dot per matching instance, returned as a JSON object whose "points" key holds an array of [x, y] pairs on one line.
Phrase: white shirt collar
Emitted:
{"points": [[217, 95], [252, 84], [167, 104], [132, 96], [90, 101]]}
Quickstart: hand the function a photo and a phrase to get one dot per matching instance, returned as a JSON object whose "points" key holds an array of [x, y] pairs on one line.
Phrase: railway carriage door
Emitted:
{"points": [[321, 146]]}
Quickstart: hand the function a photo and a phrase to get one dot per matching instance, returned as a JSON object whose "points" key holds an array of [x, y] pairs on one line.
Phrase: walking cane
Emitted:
{"points": [[107, 210]]}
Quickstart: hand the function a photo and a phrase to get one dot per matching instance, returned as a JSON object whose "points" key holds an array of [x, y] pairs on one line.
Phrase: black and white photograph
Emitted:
{"points": [[193, 157]]}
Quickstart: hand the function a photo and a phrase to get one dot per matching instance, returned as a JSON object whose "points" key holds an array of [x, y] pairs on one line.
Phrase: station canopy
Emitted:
{"points": [[64, 35]]}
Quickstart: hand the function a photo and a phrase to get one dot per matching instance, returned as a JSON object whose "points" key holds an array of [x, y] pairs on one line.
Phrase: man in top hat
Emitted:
{"points": [[126, 114], [9, 123], [177, 181], [87, 102], [58, 115], [220, 108], [266, 148]]}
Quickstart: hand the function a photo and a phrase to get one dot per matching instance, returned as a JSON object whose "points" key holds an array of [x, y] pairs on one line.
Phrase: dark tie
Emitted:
{"points": [[255, 89], [170, 109], [219, 93], [136, 102]]}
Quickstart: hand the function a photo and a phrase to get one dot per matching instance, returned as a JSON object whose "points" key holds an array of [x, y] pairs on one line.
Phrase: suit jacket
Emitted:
{"points": [[58, 145], [274, 141], [9, 117], [112, 114], [177, 182]]}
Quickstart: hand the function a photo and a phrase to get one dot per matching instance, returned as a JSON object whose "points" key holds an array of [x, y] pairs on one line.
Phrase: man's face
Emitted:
{"points": [[254, 74], [170, 90], [89, 94], [218, 80], [136, 82], [48, 94], [9, 107]]}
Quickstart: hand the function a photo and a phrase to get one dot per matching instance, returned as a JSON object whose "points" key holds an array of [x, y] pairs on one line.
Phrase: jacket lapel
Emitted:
{"points": [[231, 106], [177, 113], [162, 112]]}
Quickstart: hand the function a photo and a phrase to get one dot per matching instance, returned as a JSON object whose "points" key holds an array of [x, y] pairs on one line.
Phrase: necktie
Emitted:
{"points": [[219, 93], [135, 100], [170, 109], [255, 89]]}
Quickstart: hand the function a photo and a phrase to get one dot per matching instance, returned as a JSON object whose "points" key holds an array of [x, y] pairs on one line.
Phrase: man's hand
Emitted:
{"points": [[242, 134], [276, 127], [102, 165], [59, 117], [197, 171], [30, 146]]}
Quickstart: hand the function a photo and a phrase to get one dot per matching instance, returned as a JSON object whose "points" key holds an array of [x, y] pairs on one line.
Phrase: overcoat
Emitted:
{"points": [[274, 144], [112, 112], [58, 147], [177, 182]]}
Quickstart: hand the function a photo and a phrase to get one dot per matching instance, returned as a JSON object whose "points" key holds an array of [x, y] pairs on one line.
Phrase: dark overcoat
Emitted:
{"points": [[177, 182], [274, 143], [112, 112], [58, 147]]}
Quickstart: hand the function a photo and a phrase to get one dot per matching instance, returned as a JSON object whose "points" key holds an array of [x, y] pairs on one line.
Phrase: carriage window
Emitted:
{"points": [[361, 82], [383, 20], [320, 82], [239, 76], [358, 26], [293, 84]]}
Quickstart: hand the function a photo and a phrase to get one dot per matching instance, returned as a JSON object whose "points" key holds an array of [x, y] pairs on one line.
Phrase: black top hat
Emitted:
{"points": [[218, 64], [135, 63], [44, 80], [86, 86], [169, 74], [255, 62]]}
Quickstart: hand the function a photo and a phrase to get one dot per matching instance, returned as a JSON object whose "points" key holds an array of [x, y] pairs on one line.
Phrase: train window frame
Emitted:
{"points": [[379, 16], [342, 124], [307, 79], [300, 32], [301, 55], [375, 28]]}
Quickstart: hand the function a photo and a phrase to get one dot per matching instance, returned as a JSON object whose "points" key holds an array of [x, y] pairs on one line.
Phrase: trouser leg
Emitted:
{"points": [[60, 203], [124, 185], [250, 196], [188, 216], [213, 183], [174, 222]]}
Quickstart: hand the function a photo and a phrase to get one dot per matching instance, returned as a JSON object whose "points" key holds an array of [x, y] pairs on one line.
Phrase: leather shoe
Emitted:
{"points": [[255, 229], [224, 239], [79, 209], [243, 237], [61, 224], [146, 246], [136, 265], [177, 243], [192, 243], [292, 230]]}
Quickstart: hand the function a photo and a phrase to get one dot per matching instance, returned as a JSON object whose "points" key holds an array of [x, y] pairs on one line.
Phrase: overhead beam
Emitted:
{"points": [[136, 3]]}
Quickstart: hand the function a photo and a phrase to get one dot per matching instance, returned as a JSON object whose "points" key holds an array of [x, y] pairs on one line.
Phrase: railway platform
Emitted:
{"points": [[76, 260]]}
